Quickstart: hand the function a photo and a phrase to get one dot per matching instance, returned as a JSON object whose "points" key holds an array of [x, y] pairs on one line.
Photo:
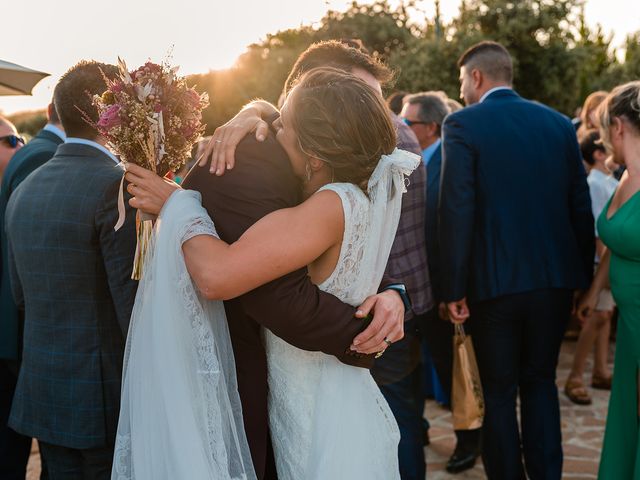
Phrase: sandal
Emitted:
{"points": [[575, 391], [601, 383]]}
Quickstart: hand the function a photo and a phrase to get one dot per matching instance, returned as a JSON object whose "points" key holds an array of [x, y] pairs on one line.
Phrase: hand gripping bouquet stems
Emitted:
{"points": [[150, 117]]}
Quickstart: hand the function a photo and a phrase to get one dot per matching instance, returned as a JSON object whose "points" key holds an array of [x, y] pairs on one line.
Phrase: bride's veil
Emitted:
{"points": [[181, 416]]}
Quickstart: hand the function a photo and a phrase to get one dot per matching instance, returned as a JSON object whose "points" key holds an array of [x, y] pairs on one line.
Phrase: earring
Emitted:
{"points": [[309, 172]]}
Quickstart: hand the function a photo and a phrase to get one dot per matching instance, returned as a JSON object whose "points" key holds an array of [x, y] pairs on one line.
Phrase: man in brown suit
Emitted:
{"points": [[291, 307]]}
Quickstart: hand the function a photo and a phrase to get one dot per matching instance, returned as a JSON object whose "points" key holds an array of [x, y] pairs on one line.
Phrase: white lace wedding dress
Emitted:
{"points": [[329, 420], [181, 415]]}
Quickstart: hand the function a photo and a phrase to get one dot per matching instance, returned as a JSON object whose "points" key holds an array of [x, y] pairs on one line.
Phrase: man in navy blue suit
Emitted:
{"points": [[516, 240]]}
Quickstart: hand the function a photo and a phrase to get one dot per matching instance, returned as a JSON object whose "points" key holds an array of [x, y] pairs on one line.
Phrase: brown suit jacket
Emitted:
{"points": [[291, 307]]}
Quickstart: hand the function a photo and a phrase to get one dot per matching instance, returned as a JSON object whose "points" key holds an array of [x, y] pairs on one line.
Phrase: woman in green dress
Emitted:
{"points": [[619, 228]]}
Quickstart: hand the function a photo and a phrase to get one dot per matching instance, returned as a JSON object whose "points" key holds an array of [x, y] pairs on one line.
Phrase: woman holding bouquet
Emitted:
{"points": [[619, 228], [327, 419]]}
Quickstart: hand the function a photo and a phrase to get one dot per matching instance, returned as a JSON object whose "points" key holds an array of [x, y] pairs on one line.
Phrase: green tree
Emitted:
{"points": [[631, 65], [595, 57], [262, 70], [539, 36], [558, 59], [29, 123], [382, 29]]}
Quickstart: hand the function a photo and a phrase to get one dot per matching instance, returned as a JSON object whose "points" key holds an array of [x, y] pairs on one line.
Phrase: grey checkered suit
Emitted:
{"points": [[71, 272]]}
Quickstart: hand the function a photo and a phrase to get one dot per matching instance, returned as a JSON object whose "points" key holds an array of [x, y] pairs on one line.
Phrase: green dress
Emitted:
{"points": [[621, 234]]}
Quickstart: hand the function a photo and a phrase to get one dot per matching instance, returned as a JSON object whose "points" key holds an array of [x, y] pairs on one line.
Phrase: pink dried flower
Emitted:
{"points": [[110, 118], [117, 87], [189, 130], [193, 98], [124, 120]]}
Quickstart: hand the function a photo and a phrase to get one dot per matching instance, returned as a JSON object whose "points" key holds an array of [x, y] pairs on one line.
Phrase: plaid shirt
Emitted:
{"points": [[408, 258]]}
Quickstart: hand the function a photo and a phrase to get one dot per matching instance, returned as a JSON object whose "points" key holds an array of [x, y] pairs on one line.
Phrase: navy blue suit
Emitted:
{"points": [[431, 222], [516, 237], [515, 212]]}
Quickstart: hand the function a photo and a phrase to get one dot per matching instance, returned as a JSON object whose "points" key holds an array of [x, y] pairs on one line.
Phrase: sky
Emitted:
{"points": [[51, 36]]}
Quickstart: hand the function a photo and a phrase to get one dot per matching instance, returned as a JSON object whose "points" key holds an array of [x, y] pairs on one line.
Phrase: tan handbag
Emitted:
{"points": [[467, 400]]}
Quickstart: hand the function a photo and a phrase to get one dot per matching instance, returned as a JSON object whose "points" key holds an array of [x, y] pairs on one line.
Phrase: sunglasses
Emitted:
{"points": [[12, 140], [413, 122]]}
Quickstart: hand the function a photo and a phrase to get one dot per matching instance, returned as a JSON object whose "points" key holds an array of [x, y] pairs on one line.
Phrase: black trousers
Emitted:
{"points": [[438, 334], [14, 448], [517, 340], [64, 463]]}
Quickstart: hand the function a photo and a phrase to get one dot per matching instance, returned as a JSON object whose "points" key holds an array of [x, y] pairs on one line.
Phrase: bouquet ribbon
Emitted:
{"points": [[122, 213], [144, 228]]}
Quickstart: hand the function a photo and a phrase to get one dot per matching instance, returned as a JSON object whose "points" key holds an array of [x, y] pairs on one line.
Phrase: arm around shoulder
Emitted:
{"points": [[292, 307]]}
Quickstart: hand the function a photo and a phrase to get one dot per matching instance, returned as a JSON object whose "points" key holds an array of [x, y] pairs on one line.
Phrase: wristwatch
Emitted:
{"points": [[404, 295]]}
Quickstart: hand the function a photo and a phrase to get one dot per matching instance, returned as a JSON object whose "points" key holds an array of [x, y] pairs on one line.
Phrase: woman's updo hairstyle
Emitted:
{"points": [[342, 121], [591, 104], [622, 102]]}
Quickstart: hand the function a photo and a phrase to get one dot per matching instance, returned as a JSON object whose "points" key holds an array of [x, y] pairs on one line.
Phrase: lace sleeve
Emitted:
{"points": [[199, 226], [193, 218]]}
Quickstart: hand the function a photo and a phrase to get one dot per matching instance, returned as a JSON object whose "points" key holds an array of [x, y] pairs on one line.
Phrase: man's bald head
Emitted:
{"points": [[4, 122]]}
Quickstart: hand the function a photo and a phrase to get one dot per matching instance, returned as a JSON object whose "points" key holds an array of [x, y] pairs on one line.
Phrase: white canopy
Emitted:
{"points": [[18, 80]]}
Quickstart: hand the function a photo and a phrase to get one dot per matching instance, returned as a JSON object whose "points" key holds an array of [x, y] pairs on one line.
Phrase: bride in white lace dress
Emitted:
{"points": [[328, 420]]}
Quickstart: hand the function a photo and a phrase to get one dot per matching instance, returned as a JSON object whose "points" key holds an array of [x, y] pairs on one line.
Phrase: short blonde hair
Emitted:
{"points": [[623, 102]]}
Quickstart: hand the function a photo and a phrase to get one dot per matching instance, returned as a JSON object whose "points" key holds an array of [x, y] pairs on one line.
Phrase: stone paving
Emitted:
{"points": [[582, 428], [582, 432]]}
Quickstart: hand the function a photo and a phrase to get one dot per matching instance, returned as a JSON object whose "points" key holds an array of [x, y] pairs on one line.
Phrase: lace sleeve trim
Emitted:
{"points": [[199, 226]]}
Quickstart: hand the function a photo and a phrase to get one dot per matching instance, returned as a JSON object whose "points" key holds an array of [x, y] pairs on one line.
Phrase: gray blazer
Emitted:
{"points": [[71, 273]]}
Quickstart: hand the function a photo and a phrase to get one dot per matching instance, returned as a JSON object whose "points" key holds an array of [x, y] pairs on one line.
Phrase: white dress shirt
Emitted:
{"points": [[494, 89], [601, 188], [49, 127]]}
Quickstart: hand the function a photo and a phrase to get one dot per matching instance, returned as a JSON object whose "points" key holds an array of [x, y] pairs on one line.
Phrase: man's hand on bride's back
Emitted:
{"points": [[388, 322], [221, 149], [149, 191]]}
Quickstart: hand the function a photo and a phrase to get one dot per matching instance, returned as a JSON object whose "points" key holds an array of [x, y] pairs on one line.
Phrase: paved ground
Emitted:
{"points": [[582, 431], [582, 427]]}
